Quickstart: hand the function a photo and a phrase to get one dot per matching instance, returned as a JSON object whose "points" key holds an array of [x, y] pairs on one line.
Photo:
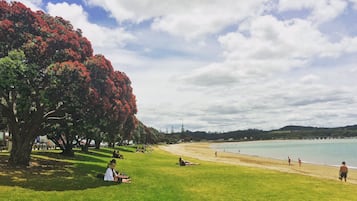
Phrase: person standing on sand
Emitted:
{"points": [[299, 160], [289, 160], [343, 171], [215, 154]]}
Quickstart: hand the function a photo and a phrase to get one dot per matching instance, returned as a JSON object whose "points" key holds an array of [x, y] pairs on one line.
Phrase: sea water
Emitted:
{"points": [[326, 152]]}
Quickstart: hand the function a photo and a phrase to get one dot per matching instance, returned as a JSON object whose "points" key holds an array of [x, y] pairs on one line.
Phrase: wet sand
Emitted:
{"points": [[202, 151]]}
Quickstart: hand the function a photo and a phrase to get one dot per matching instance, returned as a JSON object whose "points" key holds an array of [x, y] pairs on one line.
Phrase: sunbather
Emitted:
{"points": [[184, 163]]}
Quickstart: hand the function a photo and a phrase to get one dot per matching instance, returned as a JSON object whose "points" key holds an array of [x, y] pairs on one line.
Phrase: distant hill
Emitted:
{"points": [[350, 127], [297, 128], [292, 128], [287, 132]]}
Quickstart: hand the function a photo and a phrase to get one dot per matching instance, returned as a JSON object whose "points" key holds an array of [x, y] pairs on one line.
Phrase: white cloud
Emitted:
{"points": [[305, 99], [321, 10], [134, 10], [257, 77], [34, 5], [354, 2], [186, 18], [259, 72], [264, 46], [99, 36], [310, 78]]}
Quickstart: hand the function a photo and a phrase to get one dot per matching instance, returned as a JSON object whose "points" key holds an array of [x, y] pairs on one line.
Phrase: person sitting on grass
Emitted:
{"points": [[184, 163], [116, 154], [112, 175]]}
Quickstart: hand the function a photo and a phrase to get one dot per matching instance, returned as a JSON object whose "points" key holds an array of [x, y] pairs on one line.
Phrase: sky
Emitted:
{"points": [[222, 65]]}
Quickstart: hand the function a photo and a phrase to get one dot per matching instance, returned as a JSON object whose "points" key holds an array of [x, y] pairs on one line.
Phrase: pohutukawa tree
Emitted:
{"points": [[51, 82], [116, 98], [70, 86]]}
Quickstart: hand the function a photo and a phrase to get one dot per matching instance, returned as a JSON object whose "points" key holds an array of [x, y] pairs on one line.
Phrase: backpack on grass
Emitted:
{"points": [[100, 176]]}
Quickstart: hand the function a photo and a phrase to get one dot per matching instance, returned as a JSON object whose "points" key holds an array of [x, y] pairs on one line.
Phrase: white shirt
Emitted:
{"points": [[109, 176]]}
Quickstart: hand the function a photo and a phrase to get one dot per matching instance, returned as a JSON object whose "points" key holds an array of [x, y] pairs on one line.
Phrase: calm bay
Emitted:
{"points": [[326, 152]]}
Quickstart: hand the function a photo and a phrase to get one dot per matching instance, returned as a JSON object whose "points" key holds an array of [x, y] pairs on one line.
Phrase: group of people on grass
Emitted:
{"points": [[112, 175]]}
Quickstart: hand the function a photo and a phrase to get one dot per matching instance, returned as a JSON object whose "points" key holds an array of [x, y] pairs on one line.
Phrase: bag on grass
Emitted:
{"points": [[100, 176]]}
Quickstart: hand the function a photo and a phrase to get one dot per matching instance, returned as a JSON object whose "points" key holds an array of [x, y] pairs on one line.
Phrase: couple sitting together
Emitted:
{"points": [[112, 175], [116, 154]]}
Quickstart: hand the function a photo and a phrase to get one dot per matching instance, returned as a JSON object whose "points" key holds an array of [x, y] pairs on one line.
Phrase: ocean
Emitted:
{"points": [[325, 152]]}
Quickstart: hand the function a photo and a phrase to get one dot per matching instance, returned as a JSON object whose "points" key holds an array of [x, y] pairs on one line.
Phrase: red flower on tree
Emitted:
{"points": [[56, 74]]}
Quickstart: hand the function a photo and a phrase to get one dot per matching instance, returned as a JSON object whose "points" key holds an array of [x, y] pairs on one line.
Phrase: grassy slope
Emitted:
{"points": [[157, 177]]}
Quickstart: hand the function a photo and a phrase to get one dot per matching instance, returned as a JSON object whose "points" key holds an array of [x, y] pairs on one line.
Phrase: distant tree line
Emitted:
{"points": [[288, 132]]}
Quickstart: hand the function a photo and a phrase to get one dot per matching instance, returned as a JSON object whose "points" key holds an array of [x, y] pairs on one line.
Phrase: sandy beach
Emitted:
{"points": [[202, 151]]}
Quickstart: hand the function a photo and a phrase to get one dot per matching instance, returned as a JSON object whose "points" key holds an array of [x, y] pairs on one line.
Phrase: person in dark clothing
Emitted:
{"points": [[343, 171]]}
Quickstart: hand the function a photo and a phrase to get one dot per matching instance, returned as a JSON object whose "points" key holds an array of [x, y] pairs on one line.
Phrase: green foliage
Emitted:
{"points": [[50, 82], [12, 68], [156, 176], [145, 135]]}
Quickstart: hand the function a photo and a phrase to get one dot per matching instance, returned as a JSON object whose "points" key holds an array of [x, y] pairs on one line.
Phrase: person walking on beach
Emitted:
{"points": [[289, 160], [343, 171], [215, 154], [299, 160]]}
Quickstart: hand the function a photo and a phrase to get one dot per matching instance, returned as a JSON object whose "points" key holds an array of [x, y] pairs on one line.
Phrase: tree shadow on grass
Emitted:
{"points": [[108, 151], [52, 174], [126, 149], [79, 156], [100, 153]]}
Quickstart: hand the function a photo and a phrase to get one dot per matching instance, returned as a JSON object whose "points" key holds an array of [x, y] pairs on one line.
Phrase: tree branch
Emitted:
{"points": [[55, 111]]}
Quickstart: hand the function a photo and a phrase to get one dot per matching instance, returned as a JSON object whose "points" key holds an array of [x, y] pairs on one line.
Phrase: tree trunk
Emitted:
{"points": [[21, 150], [84, 148], [97, 144], [68, 151], [66, 145], [111, 142], [23, 136]]}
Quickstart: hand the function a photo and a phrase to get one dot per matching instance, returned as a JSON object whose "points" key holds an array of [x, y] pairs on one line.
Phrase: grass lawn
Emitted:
{"points": [[156, 176]]}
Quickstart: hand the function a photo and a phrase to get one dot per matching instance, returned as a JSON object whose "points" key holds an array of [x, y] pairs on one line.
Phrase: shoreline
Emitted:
{"points": [[215, 146], [204, 152], [271, 158]]}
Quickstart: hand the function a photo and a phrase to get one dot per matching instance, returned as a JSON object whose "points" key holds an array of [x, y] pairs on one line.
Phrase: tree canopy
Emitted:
{"points": [[50, 82]]}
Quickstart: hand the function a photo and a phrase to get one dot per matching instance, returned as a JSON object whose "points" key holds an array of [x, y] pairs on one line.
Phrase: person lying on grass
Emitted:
{"points": [[112, 175], [184, 163]]}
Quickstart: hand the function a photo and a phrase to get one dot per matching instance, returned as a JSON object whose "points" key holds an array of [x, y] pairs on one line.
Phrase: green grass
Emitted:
{"points": [[157, 177]]}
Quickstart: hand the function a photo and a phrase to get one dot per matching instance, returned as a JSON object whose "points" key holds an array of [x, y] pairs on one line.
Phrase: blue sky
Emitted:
{"points": [[220, 65]]}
